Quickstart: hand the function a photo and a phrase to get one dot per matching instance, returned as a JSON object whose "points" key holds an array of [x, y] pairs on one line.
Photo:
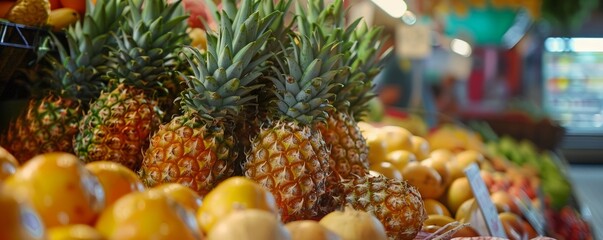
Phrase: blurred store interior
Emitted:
{"points": [[531, 69]]}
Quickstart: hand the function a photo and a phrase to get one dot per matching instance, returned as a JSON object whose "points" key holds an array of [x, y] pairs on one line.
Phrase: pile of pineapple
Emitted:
{"points": [[274, 101]]}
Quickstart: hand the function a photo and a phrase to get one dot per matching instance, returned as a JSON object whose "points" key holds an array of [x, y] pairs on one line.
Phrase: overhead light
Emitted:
{"points": [[394, 8], [460, 47], [586, 44], [555, 44]]}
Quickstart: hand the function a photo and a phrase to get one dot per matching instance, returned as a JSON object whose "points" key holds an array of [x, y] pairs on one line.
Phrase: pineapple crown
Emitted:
{"points": [[359, 46], [224, 77], [147, 42], [365, 63], [303, 85], [76, 70], [330, 22]]}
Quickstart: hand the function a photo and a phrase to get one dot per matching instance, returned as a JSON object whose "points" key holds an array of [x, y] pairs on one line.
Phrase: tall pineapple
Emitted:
{"points": [[50, 120], [119, 122], [199, 148], [289, 156], [348, 147]]}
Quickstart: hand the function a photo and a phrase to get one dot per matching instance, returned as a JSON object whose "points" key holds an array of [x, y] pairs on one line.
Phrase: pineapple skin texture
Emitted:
{"points": [[117, 127], [348, 158], [46, 125], [349, 151], [397, 204], [29, 12], [188, 152], [290, 161]]}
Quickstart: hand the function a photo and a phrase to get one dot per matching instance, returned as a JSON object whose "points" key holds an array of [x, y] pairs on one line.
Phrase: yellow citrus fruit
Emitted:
{"points": [[397, 138], [420, 147], [377, 147], [467, 157], [74, 232], [400, 158], [435, 207], [18, 219], [233, 193], [182, 194], [60, 189], [117, 180], [441, 167], [387, 169], [458, 192], [427, 180], [442, 153], [465, 210], [8, 164], [148, 215]]}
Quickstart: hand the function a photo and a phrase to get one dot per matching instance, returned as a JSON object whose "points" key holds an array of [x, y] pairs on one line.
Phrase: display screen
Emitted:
{"points": [[573, 83]]}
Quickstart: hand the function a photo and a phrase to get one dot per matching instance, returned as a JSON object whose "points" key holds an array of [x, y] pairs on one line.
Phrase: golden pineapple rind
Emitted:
{"points": [[397, 204], [349, 151], [46, 125], [117, 127], [291, 161], [186, 152]]}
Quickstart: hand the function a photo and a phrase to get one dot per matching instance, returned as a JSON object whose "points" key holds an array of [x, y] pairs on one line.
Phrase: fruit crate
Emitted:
{"points": [[545, 133], [18, 48]]}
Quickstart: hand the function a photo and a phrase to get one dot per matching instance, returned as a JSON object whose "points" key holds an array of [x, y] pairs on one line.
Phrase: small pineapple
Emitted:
{"points": [[199, 148], [118, 124], [397, 204], [29, 12], [50, 120], [289, 156]]}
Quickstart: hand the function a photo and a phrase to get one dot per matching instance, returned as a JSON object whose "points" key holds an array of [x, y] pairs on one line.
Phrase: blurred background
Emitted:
{"points": [[529, 69]]}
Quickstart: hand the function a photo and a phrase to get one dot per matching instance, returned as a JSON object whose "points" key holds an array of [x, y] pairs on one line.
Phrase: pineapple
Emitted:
{"points": [[50, 120], [396, 204], [349, 150], [118, 124], [289, 156], [199, 148]]}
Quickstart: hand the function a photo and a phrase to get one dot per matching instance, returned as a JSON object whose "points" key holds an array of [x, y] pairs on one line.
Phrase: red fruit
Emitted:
{"points": [[78, 5], [54, 4]]}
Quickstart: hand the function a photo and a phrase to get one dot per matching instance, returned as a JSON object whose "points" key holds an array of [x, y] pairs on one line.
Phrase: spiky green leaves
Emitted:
{"points": [[146, 43], [76, 72], [303, 84], [224, 77]]}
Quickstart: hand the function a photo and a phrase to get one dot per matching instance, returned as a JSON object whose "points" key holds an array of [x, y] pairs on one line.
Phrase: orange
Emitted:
{"points": [[78, 5], [19, 220], [377, 147], [8, 163], [182, 194], [117, 180], [396, 138], [435, 207], [400, 158], [60, 189], [74, 232], [233, 193], [441, 166], [387, 169], [458, 192], [427, 180], [420, 147], [148, 215]]}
